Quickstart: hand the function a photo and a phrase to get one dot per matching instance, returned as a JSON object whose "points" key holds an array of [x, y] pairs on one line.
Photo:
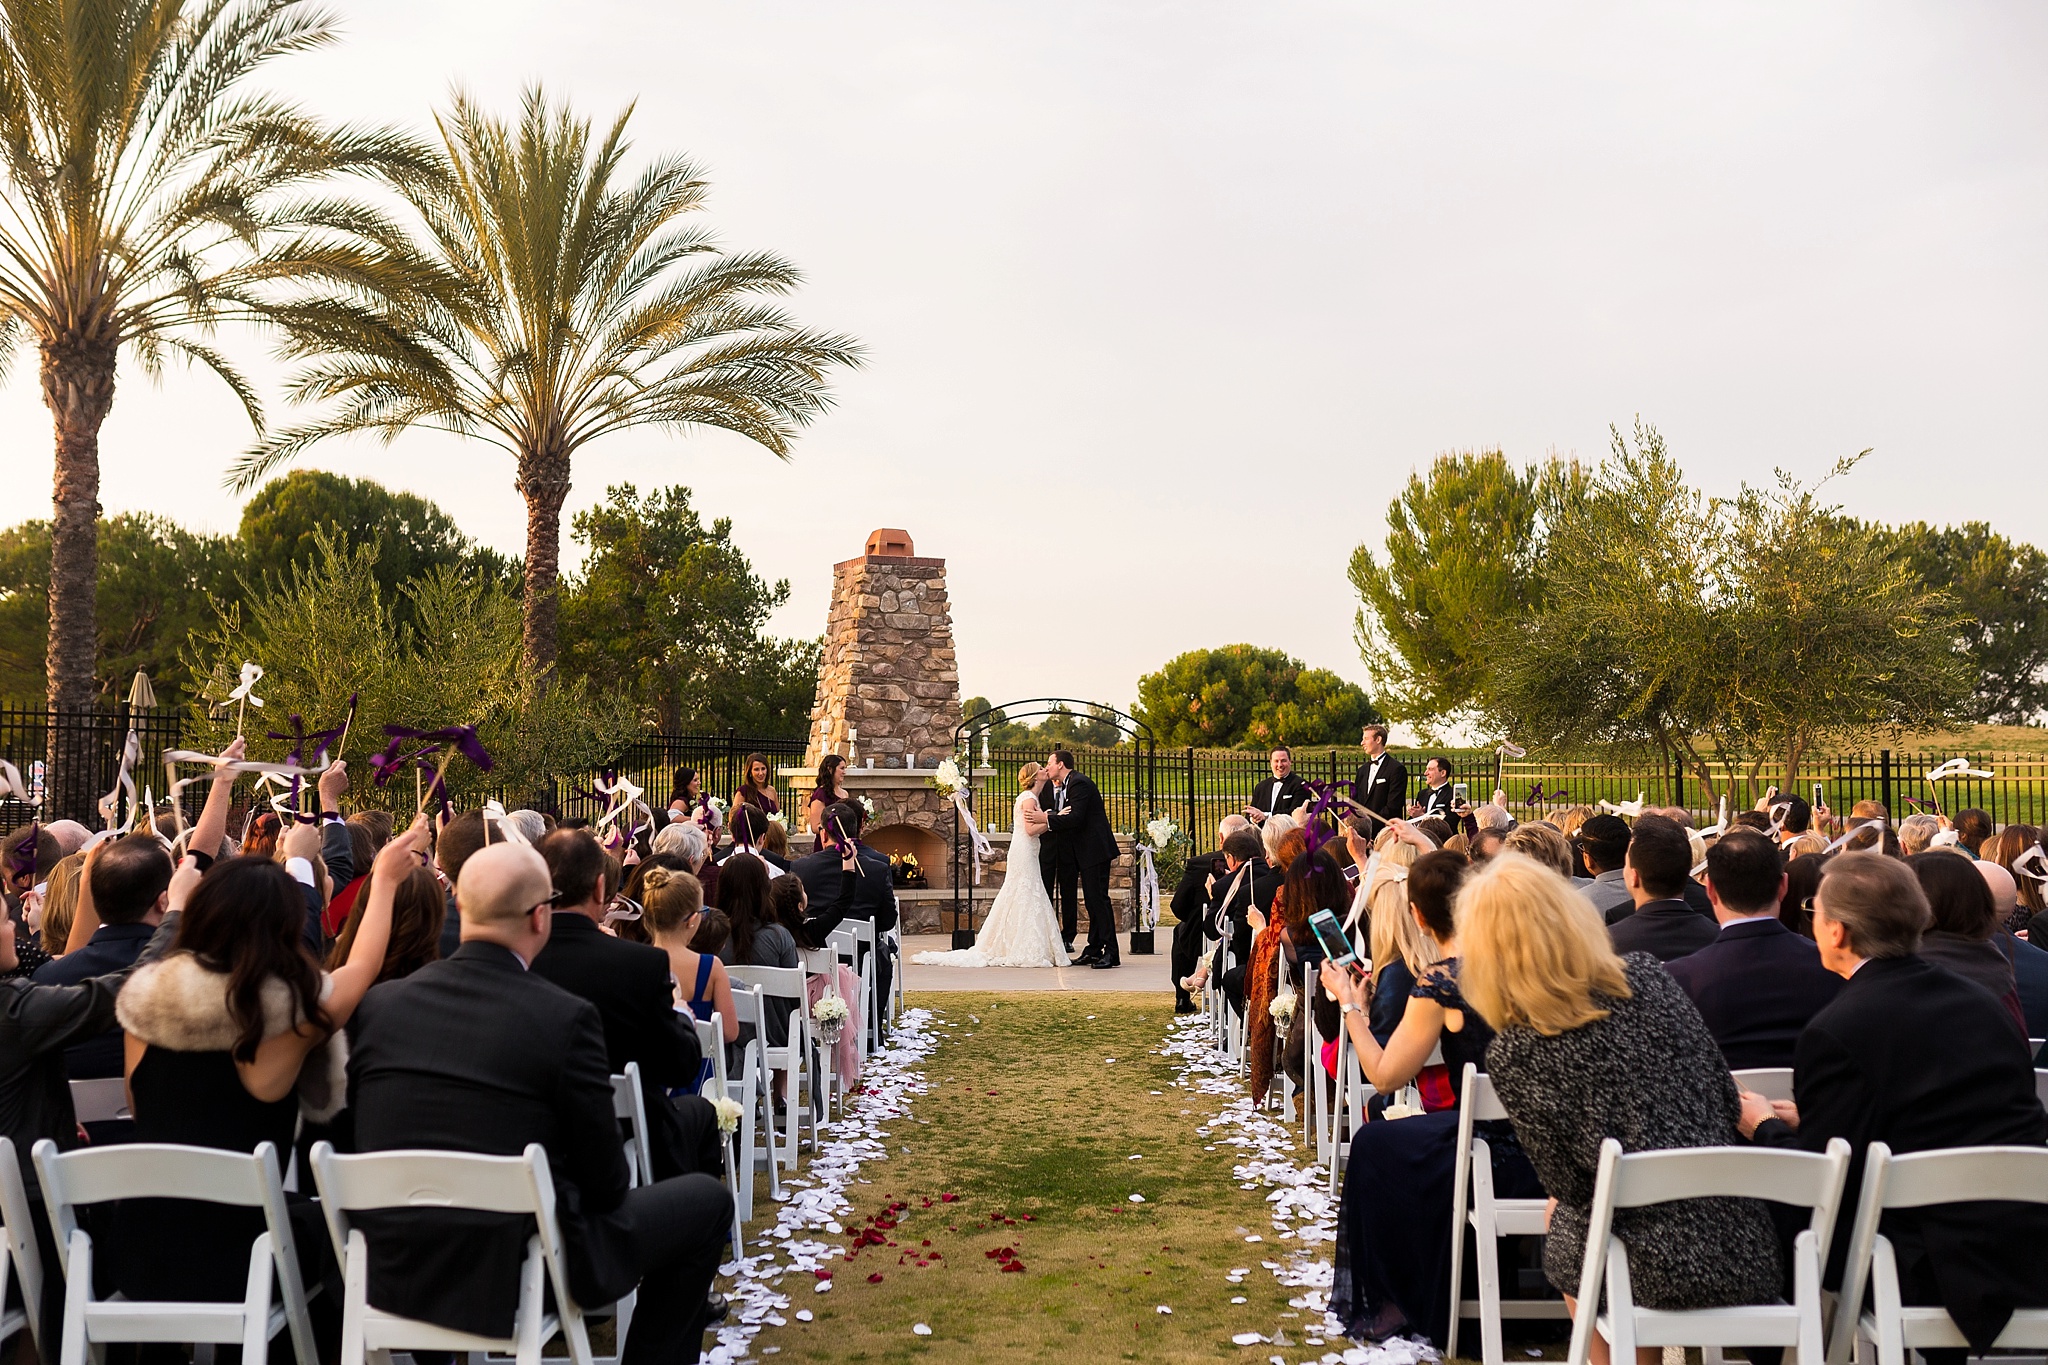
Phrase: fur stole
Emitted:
{"points": [[176, 1004]]}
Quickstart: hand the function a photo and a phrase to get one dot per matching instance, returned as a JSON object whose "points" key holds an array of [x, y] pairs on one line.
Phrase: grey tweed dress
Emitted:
{"points": [[1650, 1075]]}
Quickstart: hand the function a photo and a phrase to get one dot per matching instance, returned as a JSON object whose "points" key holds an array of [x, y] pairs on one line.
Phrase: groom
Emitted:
{"points": [[1085, 846]]}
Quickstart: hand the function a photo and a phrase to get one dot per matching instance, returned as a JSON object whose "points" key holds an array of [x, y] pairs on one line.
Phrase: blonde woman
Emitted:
{"points": [[1592, 1046], [1022, 929]]}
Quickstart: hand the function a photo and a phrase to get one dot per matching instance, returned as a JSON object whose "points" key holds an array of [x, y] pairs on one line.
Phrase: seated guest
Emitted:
{"points": [[1973, 827], [1269, 940], [1393, 1224], [1602, 848], [1758, 983], [1545, 844], [675, 911], [1197, 882], [749, 828], [1399, 949], [231, 1037], [60, 903], [28, 856], [1657, 867], [1917, 831], [1593, 1046], [419, 912], [457, 842], [629, 983], [874, 889], [1248, 884], [1793, 816], [1917, 1058], [757, 940], [127, 885], [1962, 919], [475, 1053], [2029, 963], [685, 839]]}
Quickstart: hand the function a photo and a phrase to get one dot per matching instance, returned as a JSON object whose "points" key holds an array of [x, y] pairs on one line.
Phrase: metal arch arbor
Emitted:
{"points": [[1135, 732]]}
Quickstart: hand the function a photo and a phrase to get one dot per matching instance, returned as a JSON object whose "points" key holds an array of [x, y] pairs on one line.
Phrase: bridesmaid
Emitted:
{"points": [[829, 791], [758, 788]]}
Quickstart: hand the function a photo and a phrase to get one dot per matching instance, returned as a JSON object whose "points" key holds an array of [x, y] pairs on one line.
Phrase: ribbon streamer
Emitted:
{"points": [[1148, 889], [1507, 748], [10, 782], [2033, 863], [983, 850], [1630, 809], [1953, 768], [244, 696], [124, 781], [1855, 829]]}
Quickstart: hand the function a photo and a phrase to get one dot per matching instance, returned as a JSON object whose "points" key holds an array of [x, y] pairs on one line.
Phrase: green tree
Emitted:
{"points": [[152, 197], [567, 301], [329, 630], [157, 582], [1463, 552], [1090, 728], [1243, 696], [669, 614], [283, 520], [2001, 589], [1735, 636]]}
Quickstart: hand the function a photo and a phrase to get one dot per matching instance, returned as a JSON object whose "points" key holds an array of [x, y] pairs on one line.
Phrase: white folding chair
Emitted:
{"points": [[846, 943], [1957, 1175], [2041, 1086], [781, 990], [871, 1031], [2034, 1046], [165, 1171], [824, 963], [629, 1106], [899, 1000], [447, 1180], [750, 1089], [1803, 1179], [21, 1261], [1489, 1218], [1772, 1082], [711, 1039], [100, 1101]]}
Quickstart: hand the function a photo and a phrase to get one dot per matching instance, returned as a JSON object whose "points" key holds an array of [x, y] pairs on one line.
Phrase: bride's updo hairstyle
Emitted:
{"points": [[1028, 774]]}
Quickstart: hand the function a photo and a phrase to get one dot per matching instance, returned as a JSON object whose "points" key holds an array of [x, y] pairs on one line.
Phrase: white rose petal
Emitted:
{"points": [[920, 1329], [1164, 1309], [1137, 1199], [803, 1315], [1248, 1338]]}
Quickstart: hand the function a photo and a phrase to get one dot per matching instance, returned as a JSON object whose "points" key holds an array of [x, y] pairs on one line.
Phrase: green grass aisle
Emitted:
{"points": [[1040, 1140]]}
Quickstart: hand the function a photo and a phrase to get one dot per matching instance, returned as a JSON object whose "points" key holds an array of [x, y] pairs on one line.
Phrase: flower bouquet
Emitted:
{"points": [[947, 780], [728, 1111], [1170, 846], [829, 1013]]}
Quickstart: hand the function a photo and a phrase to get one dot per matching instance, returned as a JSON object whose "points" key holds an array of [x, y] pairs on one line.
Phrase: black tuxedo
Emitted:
{"points": [[476, 1054], [1663, 929], [1385, 793], [871, 896], [1190, 906], [1914, 1056], [1757, 985], [635, 998], [1437, 801], [1086, 848], [1281, 795]]}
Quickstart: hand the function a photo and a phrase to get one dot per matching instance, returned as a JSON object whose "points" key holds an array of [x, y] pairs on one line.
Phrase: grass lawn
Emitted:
{"points": [[1033, 1130]]}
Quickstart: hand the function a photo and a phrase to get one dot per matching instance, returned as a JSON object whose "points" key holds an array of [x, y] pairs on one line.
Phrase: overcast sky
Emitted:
{"points": [[1164, 301]]}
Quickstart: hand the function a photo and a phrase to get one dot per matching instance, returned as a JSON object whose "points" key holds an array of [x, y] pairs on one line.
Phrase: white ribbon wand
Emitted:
{"points": [[982, 848], [10, 781], [242, 696], [124, 781]]}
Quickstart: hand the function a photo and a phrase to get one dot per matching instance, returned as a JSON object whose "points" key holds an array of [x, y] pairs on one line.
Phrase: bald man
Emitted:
{"points": [[475, 1053], [2029, 962]]}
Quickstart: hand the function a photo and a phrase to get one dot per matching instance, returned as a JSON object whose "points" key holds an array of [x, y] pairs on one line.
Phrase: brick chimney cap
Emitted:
{"points": [[891, 543]]}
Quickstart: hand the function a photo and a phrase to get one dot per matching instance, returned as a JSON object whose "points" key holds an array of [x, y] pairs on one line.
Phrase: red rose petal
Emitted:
{"points": [[948, 1198], [822, 1274], [1009, 1266], [875, 1278], [1029, 1219]]}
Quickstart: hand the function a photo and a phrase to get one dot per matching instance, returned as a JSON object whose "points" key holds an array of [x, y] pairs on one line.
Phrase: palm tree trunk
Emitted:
{"points": [[78, 387], [544, 483]]}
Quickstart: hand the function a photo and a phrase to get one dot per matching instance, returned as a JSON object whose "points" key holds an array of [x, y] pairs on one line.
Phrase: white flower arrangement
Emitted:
{"points": [[866, 805], [1159, 833], [1283, 1007], [829, 1009], [946, 779], [728, 1111]]}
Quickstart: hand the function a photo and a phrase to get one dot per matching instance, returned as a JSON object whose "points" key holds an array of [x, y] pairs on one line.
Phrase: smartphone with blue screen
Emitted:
{"points": [[1330, 934]]}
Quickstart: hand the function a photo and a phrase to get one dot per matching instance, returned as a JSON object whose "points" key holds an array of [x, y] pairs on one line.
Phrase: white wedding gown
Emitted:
{"points": [[1022, 929]]}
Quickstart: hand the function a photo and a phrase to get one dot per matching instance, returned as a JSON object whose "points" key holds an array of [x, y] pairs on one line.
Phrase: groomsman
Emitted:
{"points": [[1382, 782], [1435, 798], [1280, 793]]}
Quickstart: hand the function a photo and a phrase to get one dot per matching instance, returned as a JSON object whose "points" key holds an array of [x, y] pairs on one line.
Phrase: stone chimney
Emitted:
{"points": [[889, 686]]}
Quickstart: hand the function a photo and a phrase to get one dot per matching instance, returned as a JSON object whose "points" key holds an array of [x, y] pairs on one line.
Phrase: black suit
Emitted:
{"points": [[872, 897], [1663, 929], [635, 998], [476, 1054], [1912, 1055], [1190, 906], [1384, 793], [1437, 801], [1281, 795], [1757, 985], [1087, 847]]}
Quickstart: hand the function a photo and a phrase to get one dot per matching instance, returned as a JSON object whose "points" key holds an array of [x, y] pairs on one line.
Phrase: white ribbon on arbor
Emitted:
{"points": [[983, 850], [1148, 890]]}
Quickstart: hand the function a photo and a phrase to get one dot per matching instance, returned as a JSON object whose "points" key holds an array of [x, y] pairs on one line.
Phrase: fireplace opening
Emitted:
{"points": [[918, 859]]}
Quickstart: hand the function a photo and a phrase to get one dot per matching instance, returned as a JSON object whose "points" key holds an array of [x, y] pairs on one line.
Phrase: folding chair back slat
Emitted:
{"points": [[629, 1106], [1788, 1177], [21, 1260]]}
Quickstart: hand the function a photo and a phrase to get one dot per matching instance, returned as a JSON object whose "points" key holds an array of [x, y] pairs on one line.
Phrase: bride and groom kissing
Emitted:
{"points": [[1060, 830]]}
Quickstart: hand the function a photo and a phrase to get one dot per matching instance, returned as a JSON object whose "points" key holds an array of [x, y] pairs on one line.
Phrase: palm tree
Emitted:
{"points": [[149, 198], [569, 301]]}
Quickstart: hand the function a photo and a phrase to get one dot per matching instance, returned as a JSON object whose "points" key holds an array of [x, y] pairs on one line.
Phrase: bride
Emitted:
{"points": [[1022, 929]]}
